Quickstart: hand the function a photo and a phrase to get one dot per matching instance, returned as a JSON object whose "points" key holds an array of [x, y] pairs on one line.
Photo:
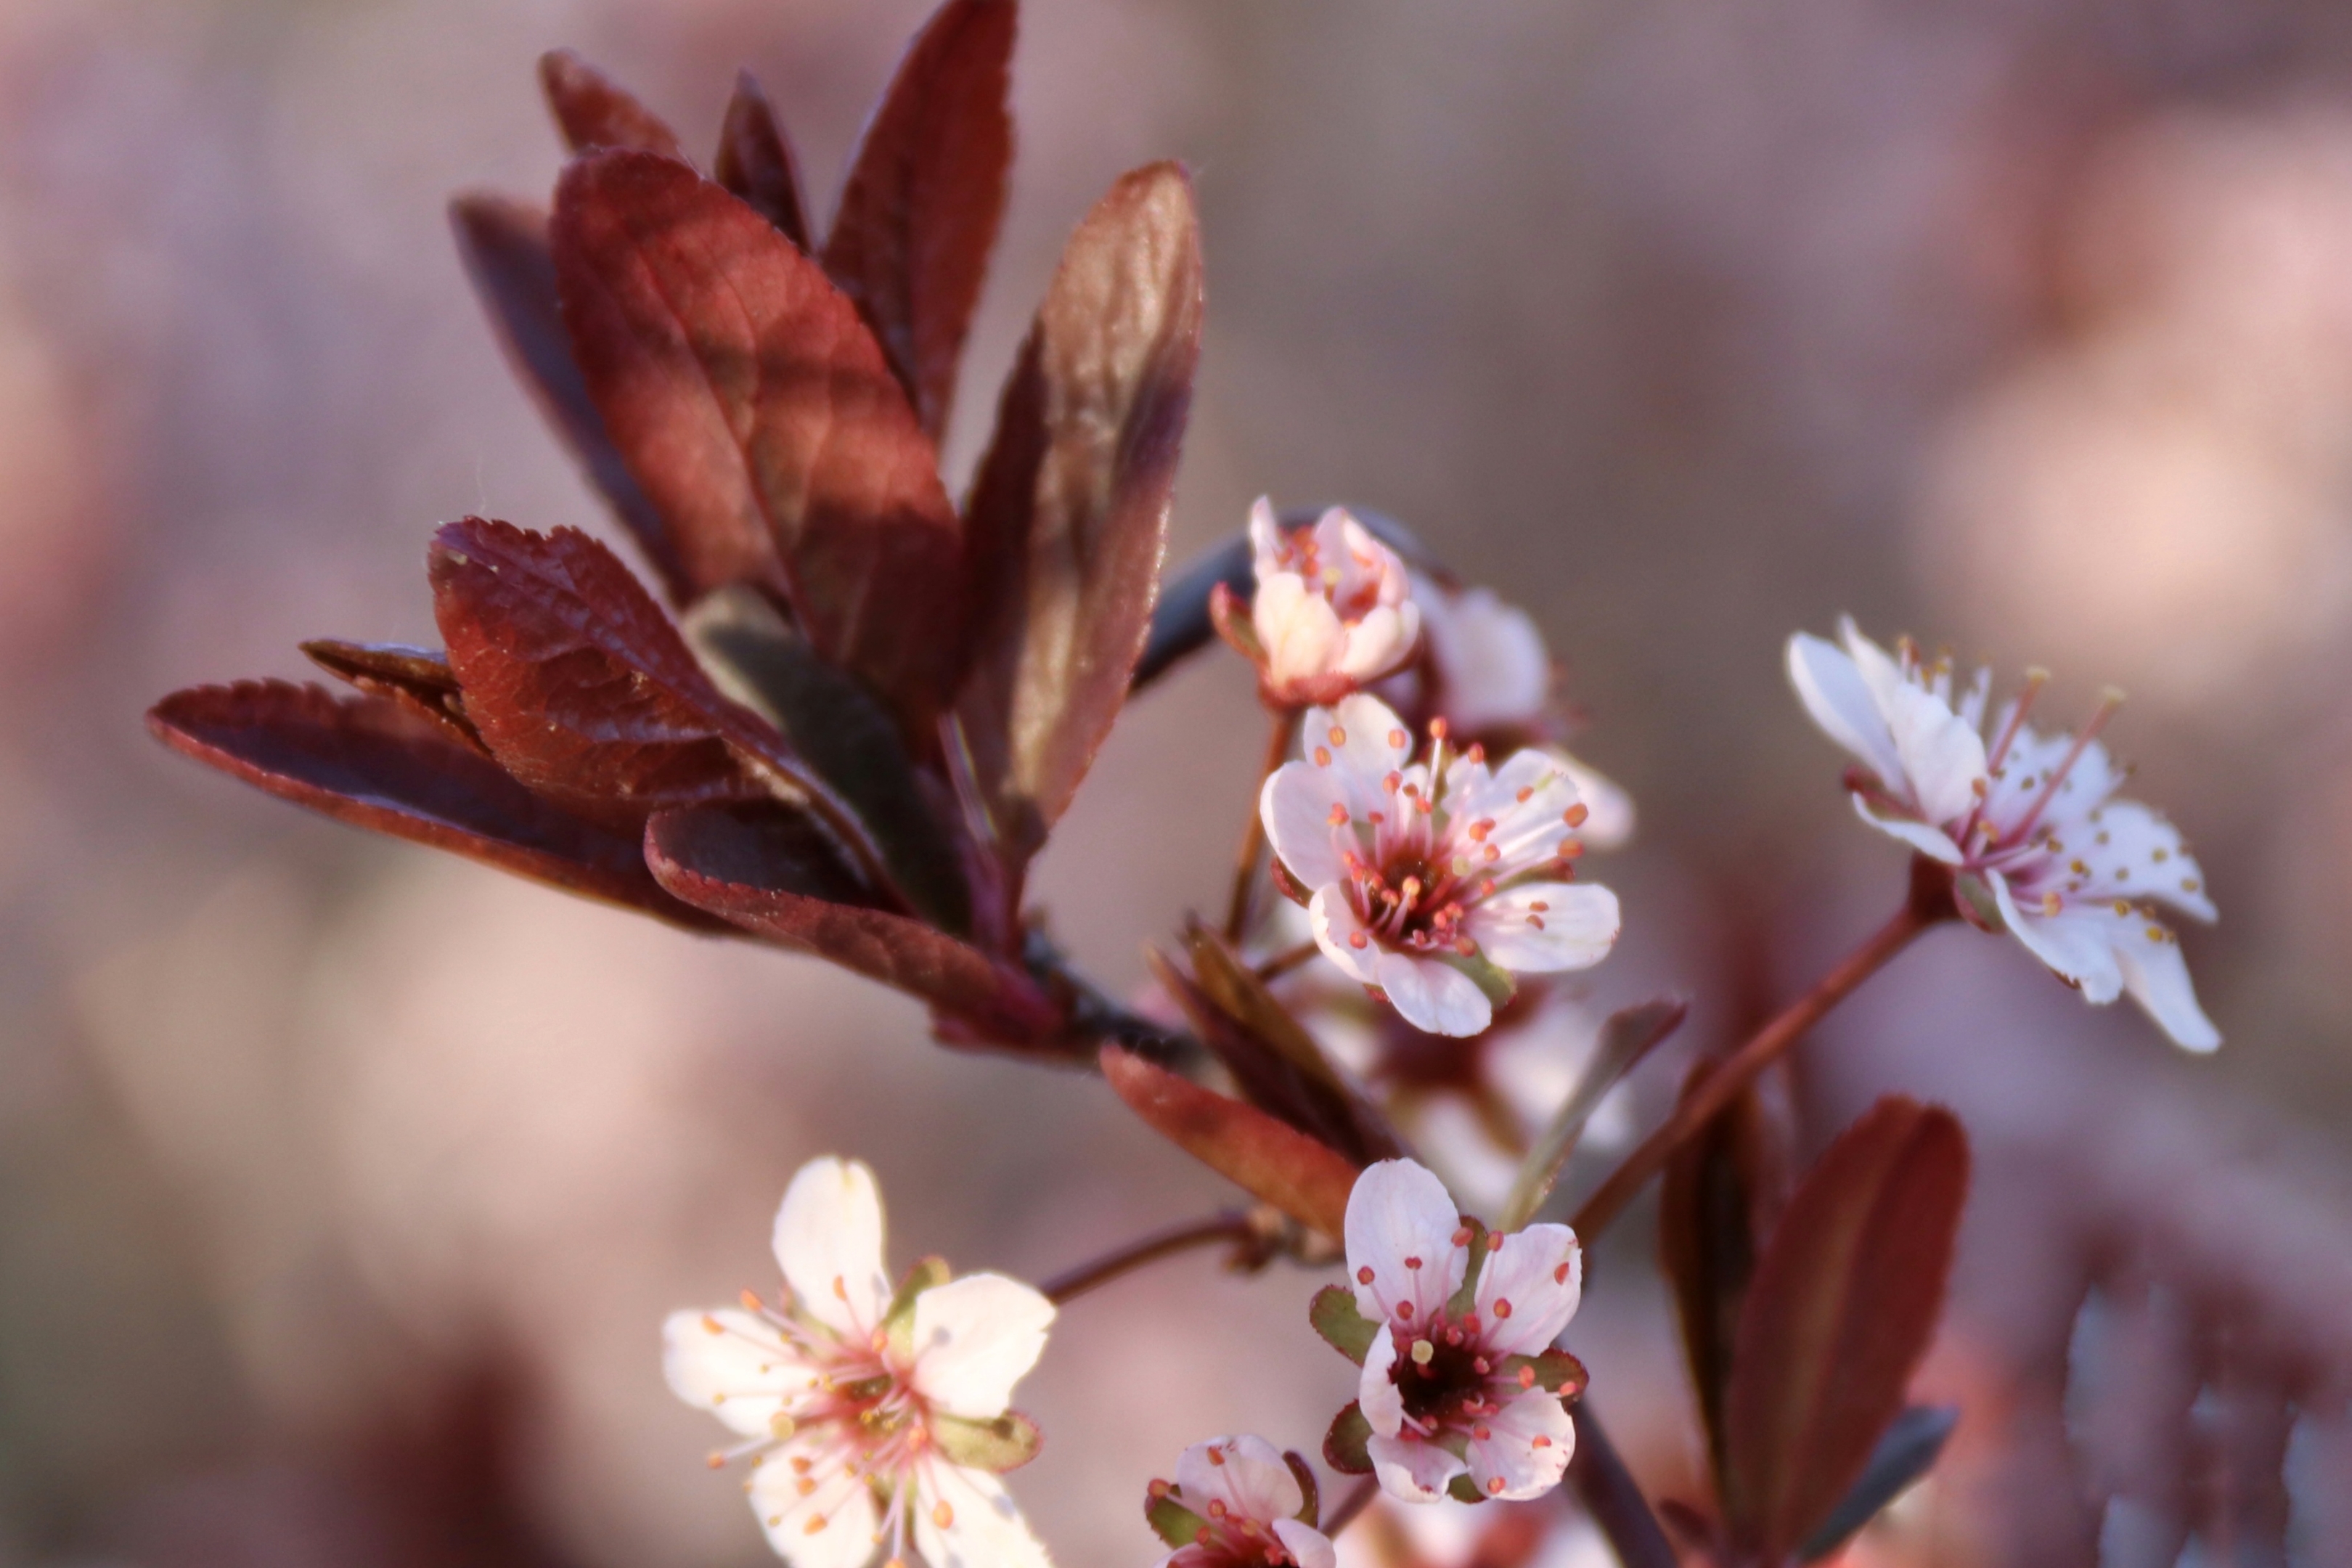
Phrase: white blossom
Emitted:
{"points": [[853, 1406], [1450, 1392], [1417, 870], [2073, 871], [1246, 1503], [1333, 606]]}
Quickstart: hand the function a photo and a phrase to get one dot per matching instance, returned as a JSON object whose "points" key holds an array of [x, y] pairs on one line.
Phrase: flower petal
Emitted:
{"points": [[1294, 807], [1265, 535], [1433, 996], [1527, 1450], [1297, 626], [1373, 742], [1333, 921], [1609, 820], [1932, 842], [733, 1364], [2137, 853], [2075, 943], [1491, 666], [1539, 1273], [830, 1527], [828, 1241], [1837, 700], [1308, 1547], [1378, 643], [1942, 755], [1401, 1225], [1412, 1468], [974, 1339], [1377, 1395], [1245, 1472], [2156, 977], [1543, 928], [982, 1527]]}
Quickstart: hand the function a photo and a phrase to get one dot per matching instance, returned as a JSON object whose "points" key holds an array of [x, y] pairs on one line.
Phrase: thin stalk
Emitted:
{"points": [[1231, 1225], [1613, 1499], [1237, 906], [1343, 1514], [1930, 901]]}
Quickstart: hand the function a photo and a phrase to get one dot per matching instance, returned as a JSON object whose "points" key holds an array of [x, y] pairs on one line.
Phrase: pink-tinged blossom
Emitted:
{"points": [[1418, 870], [1447, 1391], [1240, 1502], [1332, 610], [2072, 871], [1490, 675], [851, 1410]]}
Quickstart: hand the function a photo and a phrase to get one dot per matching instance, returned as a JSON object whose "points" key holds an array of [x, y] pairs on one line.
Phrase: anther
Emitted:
{"points": [[1559, 1275], [1399, 740], [717, 1461], [1359, 941], [1494, 1486], [1527, 1377], [1338, 736], [1424, 1353], [805, 1486], [1157, 1490], [1575, 815], [1437, 729], [780, 1426], [1338, 814], [1412, 1263], [1322, 758], [1527, 793], [712, 1325], [841, 1286], [1502, 1306]]}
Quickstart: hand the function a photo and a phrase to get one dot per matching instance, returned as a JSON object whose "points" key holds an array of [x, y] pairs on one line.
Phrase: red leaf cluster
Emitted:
{"points": [[864, 768]]}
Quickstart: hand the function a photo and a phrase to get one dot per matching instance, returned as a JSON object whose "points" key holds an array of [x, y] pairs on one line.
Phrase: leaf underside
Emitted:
{"points": [[592, 111], [1264, 1157]]}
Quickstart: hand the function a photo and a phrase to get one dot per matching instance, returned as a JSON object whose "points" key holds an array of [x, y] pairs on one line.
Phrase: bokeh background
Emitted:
{"points": [[342, 1187]]}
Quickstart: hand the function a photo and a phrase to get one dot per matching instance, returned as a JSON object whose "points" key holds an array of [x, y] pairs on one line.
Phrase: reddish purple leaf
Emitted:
{"points": [[592, 111], [504, 246], [1069, 514], [757, 411], [919, 209], [737, 864], [1266, 1158], [414, 679], [755, 162], [1707, 1242], [364, 760], [1842, 1308]]}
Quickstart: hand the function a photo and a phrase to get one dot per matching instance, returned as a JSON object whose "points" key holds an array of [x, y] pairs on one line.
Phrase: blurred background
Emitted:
{"points": [[342, 1187]]}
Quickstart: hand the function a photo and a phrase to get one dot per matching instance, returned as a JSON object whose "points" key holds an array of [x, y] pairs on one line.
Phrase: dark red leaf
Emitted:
{"points": [[1069, 514], [919, 209], [365, 761], [755, 162], [1708, 1241], [592, 111], [504, 246], [415, 678], [757, 411], [1262, 1156], [736, 864], [1842, 1308]]}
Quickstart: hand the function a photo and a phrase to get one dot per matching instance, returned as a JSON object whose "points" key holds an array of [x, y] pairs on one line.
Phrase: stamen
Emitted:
{"points": [[1424, 1353], [2111, 703], [2035, 679]]}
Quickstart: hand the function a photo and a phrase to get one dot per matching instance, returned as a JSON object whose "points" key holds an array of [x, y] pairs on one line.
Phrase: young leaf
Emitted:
{"points": [[1179, 622], [417, 680], [1069, 513], [1334, 1315], [1906, 1452], [1625, 1039], [593, 112], [503, 244], [1345, 1445], [1843, 1306], [370, 763], [1708, 1235], [919, 212], [755, 162], [756, 410], [726, 861], [1263, 1157], [1002, 1442], [756, 658]]}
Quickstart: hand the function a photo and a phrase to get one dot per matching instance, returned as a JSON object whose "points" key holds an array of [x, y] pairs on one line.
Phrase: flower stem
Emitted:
{"points": [[1344, 1513], [1232, 1224], [1613, 1499], [1930, 901], [1237, 907]]}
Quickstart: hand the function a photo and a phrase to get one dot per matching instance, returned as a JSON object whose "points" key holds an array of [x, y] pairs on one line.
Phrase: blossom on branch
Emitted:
{"points": [[1462, 1392], [1434, 882], [1332, 610], [870, 1416], [1238, 1503], [2031, 824]]}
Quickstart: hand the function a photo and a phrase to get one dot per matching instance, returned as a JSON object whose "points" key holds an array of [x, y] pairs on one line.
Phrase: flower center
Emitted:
{"points": [[1443, 1374]]}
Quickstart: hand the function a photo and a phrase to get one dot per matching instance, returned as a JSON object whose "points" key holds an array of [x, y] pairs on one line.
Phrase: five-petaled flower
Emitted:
{"points": [[1424, 877], [1332, 610], [869, 1417], [2029, 822], [1460, 1377], [1237, 1504]]}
